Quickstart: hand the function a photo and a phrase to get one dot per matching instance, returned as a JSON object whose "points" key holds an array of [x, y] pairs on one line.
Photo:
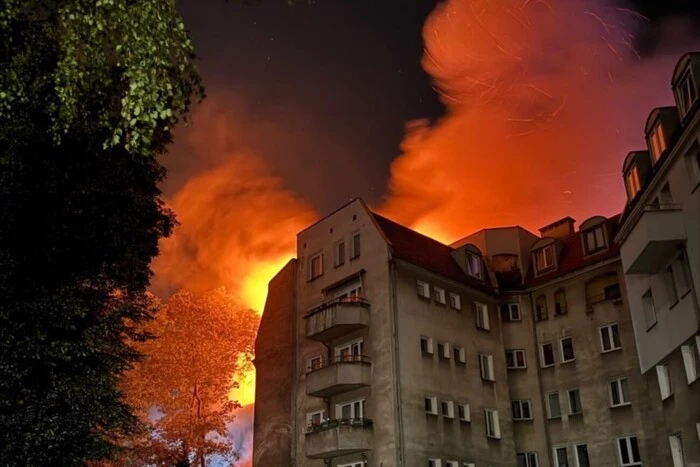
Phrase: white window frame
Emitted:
{"points": [[628, 446], [556, 457], [339, 409], [576, 456], [486, 367], [687, 80], [318, 256], [493, 426], [310, 415], [547, 265], [445, 354], [597, 235], [451, 464], [561, 349], [481, 314], [354, 464], [529, 456], [554, 358], [434, 462], [473, 260], [310, 365], [339, 253], [467, 413], [663, 375], [550, 415], [515, 353], [455, 301], [510, 315], [450, 405], [430, 348], [690, 362], [355, 348], [423, 289], [522, 403], [677, 452], [439, 295], [433, 405], [355, 249], [580, 401], [649, 308], [460, 354], [615, 388], [608, 330]]}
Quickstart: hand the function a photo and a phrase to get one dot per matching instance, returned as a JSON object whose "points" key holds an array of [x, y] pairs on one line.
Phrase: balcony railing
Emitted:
{"points": [[339, 437], [337, 317], [337, 422], [326, 362], [354, 300], [663, 207], [339, 374]]}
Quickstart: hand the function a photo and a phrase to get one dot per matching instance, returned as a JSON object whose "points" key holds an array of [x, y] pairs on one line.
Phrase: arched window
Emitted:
{"points": [[540, 308], [560, 302]]}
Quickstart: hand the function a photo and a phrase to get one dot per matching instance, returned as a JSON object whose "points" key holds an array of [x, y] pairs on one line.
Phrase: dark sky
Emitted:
{"points": [[323, 92]]}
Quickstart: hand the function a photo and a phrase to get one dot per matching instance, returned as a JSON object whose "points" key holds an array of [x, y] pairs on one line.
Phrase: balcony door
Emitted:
{"points": [[350, 352], [349, 410]]}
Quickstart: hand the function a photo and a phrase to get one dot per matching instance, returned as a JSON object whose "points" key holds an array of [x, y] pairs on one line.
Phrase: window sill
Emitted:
{"points": [[576, 415], [626, 404], [496, 438], [516, 368], [552, 419], [523, 419], [565, 362], [547, 366], [682, 296], [611, 350], [479, 328], [464, 420]]}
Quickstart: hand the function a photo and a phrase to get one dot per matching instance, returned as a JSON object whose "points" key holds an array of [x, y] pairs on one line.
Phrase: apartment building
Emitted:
{"points": [[575, 347], [659, 236]]}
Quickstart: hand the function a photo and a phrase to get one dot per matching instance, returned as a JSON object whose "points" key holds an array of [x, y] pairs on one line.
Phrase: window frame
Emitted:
{"points": [[527, 455], [554, 359], [665, 390], [550, 416], [430, 345], [487, 372], [460, 353], [546, 266], [439, 295], [481, 315], [555, 452], [507, 312], [648, 305], [310, 362], [450, 405], [472, 260], [455, 301], [467, 412], [619, 391], [339, 253], [423, 289], [686, 82], [657, 141], [682, 462], [310, 415], [608, 330], [580, 402], [577, 457], [628, 447], [515, 353], [561, 349], [355, 246], [312, 258], [433, 405], [434, 462], [599, 244], [493, 424], [691, 362], [521, 404], [446, 352]]}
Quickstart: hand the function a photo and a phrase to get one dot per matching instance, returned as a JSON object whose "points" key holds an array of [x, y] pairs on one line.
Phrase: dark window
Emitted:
{"points": [[560, 307], [355, 245], [567, 349], [540, 308], [547, 354]]}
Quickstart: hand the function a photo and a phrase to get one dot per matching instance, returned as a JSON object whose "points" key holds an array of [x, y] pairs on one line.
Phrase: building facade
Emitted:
{"points": [[379, 346]]}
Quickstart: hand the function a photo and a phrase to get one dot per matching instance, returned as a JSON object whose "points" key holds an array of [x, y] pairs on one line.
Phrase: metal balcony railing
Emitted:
{"points": [[662, 207], [356, 300], [337, 360], [338, 422]]}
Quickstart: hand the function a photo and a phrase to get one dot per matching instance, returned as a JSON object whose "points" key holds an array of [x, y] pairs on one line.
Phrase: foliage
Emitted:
{"points": [[137, 52], [182, 387]]}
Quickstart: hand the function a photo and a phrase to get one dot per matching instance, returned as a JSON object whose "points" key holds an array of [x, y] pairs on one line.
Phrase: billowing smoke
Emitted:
{"points": [[544, 100]]}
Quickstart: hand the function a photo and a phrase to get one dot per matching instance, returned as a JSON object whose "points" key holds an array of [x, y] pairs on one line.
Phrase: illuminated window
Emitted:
{"points": [[594, 239], [632, 182], [687, 93], [544, 258], [474, 266], [657, 142]]}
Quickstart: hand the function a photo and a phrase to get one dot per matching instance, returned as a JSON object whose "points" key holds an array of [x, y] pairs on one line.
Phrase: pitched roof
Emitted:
{"points": [[572, 256], [426, 252]]}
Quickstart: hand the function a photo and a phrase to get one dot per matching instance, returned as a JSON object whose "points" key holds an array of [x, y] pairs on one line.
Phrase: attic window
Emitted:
{"points": [[632, 182], [474, 266], [687, 93], [657, 142], [544, 258], [594, 239]]}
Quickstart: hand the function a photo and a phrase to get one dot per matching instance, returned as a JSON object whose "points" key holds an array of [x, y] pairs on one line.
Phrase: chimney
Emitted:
{"points": [[559, 229]]}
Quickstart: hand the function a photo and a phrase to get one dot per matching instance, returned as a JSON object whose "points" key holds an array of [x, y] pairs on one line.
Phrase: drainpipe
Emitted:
{"points": [[327, 400], [539, 379], [395, 364]]}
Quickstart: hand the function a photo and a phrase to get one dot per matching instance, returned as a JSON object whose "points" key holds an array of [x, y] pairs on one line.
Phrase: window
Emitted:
{"points": [[677, 453], [628, 452], [339, 254], [540, 308], [314, 363], [567, 349], [687, 93], [439, 295], [316, 266], [619, 395], [315, 418], [609, 338], [355, 246], [350, 410], [444, 350], [553, 406], [581, 452], [515, 359], [353, 464], [664, 376], [521, 410], [594, 239], [649, 309], [451, 464], [448, 409], [561, 457], [690, 361], [455, 301], [493, 428], [481, 313], [547, 354], [474, 265], [464, 413], [670, 283], [680, 273], [433, 462], [486, 366], [431, 405], [574, 402], [350, 352], [632, 182], [426, 345], [526, 459], [423, 289], [459, 353], [510, 312], [544, 258], [560, 302], [657, 141]]}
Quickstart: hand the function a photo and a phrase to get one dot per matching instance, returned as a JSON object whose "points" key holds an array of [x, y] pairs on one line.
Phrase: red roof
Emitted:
{"points": [[572, 257], [426, 252]]}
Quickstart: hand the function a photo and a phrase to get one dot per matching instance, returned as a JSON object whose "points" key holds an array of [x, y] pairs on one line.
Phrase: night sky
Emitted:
{"points": [[322, 92]]}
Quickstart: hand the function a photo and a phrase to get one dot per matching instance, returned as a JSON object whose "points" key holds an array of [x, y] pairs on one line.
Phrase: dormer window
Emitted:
{"points": [[474, 266], [544, 258], [594, 239], [632, 182], [657, 141], [687, 93]]}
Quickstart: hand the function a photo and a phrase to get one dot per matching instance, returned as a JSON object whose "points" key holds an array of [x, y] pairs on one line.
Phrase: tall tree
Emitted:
{"points": [[183, 386], [89, 92]]}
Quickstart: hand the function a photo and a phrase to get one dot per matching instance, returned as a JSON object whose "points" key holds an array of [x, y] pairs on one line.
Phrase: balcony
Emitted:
{"points": [[654, 239], [336, 318], [340, 374], [339, 437]]}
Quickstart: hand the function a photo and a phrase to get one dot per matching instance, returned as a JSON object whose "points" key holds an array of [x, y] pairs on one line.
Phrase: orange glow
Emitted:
{"points": [[245, 393]]}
